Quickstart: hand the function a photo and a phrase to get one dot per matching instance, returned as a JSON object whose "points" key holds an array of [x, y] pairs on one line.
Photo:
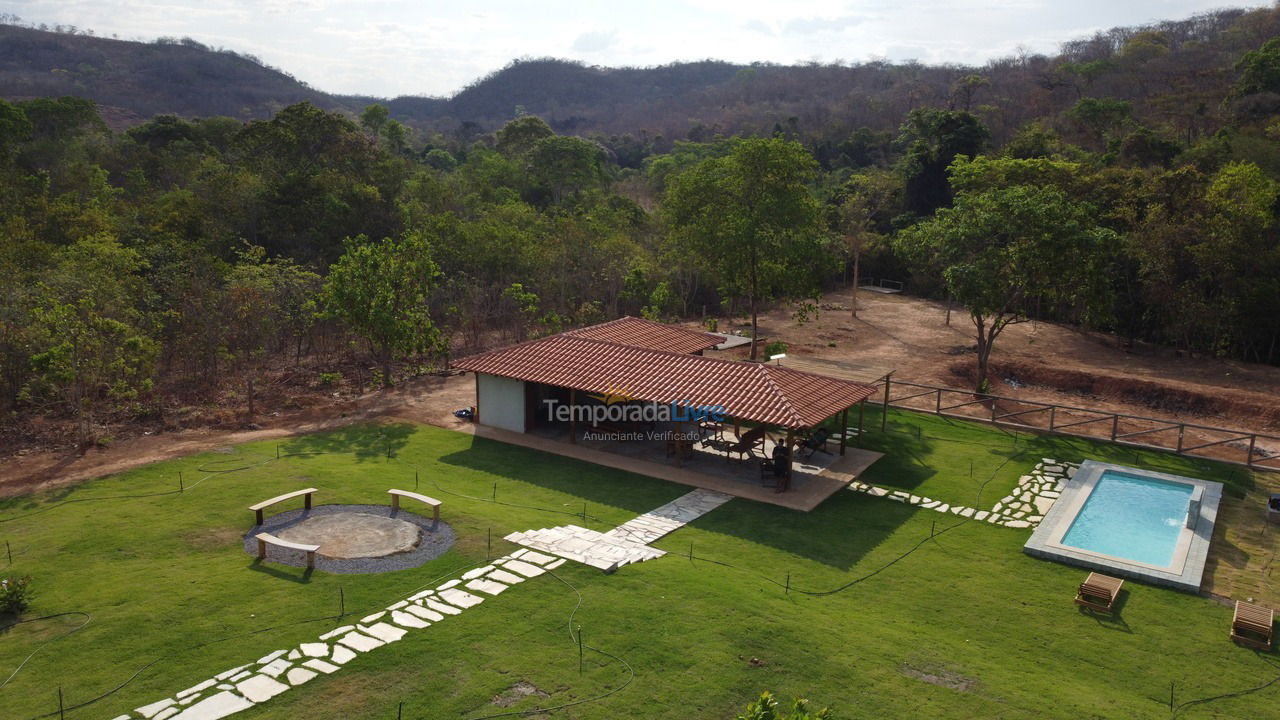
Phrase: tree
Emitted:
{"points": [[766, 708], [750, 217], [564, 165], [518, 137], [866, 196], [381, 289], [1259, 70], [933, 139], [1003, 251]]}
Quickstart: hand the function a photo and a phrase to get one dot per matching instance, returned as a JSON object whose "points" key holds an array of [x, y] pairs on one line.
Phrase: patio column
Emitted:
{"points": [[573, 416], [884, 411], [844, 429], [791, 457], [862, 413]]}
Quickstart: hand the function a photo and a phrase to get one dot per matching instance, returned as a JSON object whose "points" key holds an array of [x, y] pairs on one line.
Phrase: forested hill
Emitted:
{"points": [[1173, 74], [134, 81]]}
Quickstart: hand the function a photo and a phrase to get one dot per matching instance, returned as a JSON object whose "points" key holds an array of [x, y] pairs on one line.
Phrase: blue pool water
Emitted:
{"points": [[1131, 517]]}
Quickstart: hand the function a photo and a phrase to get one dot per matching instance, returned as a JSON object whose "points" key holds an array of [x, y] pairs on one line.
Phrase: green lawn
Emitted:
{"points": [[964, 626]]}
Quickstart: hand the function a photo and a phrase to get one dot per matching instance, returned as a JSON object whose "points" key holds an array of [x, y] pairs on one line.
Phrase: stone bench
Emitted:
{"points": [[265, 539], [434, 503], [281, 498]]}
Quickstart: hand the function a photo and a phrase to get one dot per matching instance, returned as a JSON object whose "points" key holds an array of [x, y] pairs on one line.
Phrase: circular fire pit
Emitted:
{"points": [[355, 538]]}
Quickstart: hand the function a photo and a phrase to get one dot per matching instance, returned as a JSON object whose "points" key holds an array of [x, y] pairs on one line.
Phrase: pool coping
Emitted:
{"points": [[1187, 569]]}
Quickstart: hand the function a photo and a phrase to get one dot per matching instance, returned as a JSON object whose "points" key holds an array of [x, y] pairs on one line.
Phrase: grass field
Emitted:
{"points": [[959, 625]]}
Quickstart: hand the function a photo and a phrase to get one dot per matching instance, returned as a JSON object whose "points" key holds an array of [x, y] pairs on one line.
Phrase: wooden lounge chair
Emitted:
{"points": [[745, 447], [1099, 592], [1253, 625]]}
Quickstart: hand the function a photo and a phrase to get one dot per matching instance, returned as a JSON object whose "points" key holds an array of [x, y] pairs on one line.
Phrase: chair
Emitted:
{"points": [[745, 447], [775, 472], [1253, 625], [817, 441], [1099, 592]]}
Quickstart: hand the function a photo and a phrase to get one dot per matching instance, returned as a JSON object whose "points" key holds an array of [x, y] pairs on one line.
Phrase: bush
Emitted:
{"points": [[329, 379], [777, 347], [15, 594], [766, 708]]}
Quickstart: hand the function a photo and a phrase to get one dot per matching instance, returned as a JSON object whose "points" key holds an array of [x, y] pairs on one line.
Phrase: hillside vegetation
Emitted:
{"points": [[1129, 184]]}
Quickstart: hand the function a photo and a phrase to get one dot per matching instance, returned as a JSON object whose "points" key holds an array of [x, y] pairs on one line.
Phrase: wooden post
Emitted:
{"points": [[844, 429], [262, 549], [862, 413], [1115, 427], [306, 502], [573, 415], [884, 414], [785, 483], [475, 417]]}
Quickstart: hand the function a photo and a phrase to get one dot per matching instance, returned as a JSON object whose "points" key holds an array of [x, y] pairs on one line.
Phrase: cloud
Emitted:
{"points": [[757, 26], [810, 26], [596, 41]]}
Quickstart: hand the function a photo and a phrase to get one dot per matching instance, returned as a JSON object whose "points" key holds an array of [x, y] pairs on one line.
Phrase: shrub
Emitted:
{"points": [[329, 379], [777, 347], [15, 594], [766, 708]]}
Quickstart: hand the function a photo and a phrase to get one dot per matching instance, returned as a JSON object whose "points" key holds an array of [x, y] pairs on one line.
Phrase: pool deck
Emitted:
{"points": [[1186, 572]]}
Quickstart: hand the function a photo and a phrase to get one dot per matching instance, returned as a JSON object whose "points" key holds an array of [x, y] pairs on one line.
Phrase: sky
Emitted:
{"points": [[425, 47]]}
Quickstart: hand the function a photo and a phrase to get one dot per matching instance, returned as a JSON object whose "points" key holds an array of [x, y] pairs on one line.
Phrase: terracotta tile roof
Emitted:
{"points": [[648, 334], [761, 393]]}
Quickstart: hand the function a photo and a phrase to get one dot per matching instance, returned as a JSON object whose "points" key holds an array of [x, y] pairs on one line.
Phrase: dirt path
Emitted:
{"points": [[425, 400]]}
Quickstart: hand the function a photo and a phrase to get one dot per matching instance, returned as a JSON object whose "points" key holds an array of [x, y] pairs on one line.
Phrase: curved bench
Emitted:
{"points": [[281, 498], [434, 503], [265, 539]]}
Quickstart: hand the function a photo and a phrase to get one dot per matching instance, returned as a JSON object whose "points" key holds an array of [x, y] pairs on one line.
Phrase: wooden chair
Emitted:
{"points": [[745, 447], [775, 472], [1099, 592], [1253, 625]]}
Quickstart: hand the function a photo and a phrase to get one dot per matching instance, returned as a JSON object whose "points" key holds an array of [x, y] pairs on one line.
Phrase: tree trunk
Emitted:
{"points": [[755, 325], [249, 391], [857, 257]]}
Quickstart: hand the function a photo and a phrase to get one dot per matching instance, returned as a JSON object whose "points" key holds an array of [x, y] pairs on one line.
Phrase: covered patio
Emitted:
{"points": [[760, 431]]}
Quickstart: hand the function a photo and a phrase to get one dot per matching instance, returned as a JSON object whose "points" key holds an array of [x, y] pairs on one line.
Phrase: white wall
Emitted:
{"points": [[501, 402]]}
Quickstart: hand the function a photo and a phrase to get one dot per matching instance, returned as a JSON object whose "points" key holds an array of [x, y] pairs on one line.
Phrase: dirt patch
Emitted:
{"points": [[941, 676], [516, 693], [214, 538]]}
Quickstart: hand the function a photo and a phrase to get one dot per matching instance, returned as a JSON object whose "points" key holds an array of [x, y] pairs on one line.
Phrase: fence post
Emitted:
{"points": [[938, 405], [1253, 440], [1053, 410], [1115, 427], [1182, 430]]}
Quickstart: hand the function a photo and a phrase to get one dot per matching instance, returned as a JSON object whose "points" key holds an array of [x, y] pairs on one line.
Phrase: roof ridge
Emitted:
{"points": [[786, 401]]}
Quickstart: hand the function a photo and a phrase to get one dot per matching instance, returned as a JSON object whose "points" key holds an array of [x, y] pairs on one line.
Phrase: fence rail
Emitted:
{"points": [[1254, 450]]}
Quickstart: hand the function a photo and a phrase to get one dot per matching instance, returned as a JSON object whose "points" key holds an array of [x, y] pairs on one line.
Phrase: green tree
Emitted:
{"points": [[564, 165], [1259, 70], [933, 139], [766, 708], [749, 216], [518, 137], [381, 290], [1002, 251]]}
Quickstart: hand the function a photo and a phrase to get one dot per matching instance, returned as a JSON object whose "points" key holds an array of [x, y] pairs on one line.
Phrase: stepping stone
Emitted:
{"points": [[295, 655], [384, 632], [536, 558], [1017, 524], [518, 553], [297, 676], [554, 565], [340, 631], [424, 593], [468, 575], [967, 512], [981, 515], [398, 605], [151, 710], [930, 505], [229, 673], [412, 622], [372, 618], [486, 586], [1043, 504], [195, 689], [166, 713], [361, 643], [342, 654], [503, 576], [461, 599], [260, 688], [944, 508], [449, 584], [276, 667], [314, 649], [442, 608], [240, 676], [224, 686], [215, 706], [424, 613], [320, 665], [268, 658]]}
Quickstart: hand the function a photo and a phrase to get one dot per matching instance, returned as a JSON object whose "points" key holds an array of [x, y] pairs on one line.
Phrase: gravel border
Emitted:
{"points": [[436, 539]]}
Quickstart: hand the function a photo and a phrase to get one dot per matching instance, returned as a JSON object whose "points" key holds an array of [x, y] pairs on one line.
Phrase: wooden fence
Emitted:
{"points": [[1239, 447]]}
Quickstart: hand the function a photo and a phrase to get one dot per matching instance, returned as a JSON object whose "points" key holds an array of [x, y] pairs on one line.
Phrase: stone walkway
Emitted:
{"points": [[1023, 508], [628, 543], [243, 687]]}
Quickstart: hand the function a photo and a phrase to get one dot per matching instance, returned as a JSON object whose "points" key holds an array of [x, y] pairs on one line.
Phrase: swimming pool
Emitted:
{"points": [[1131, 522]]}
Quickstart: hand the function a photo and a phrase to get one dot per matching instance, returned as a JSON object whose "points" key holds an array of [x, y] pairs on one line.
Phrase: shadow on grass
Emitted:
{"points": [[365, 442], [1114, 621], [291, 574], [837, 533]]}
